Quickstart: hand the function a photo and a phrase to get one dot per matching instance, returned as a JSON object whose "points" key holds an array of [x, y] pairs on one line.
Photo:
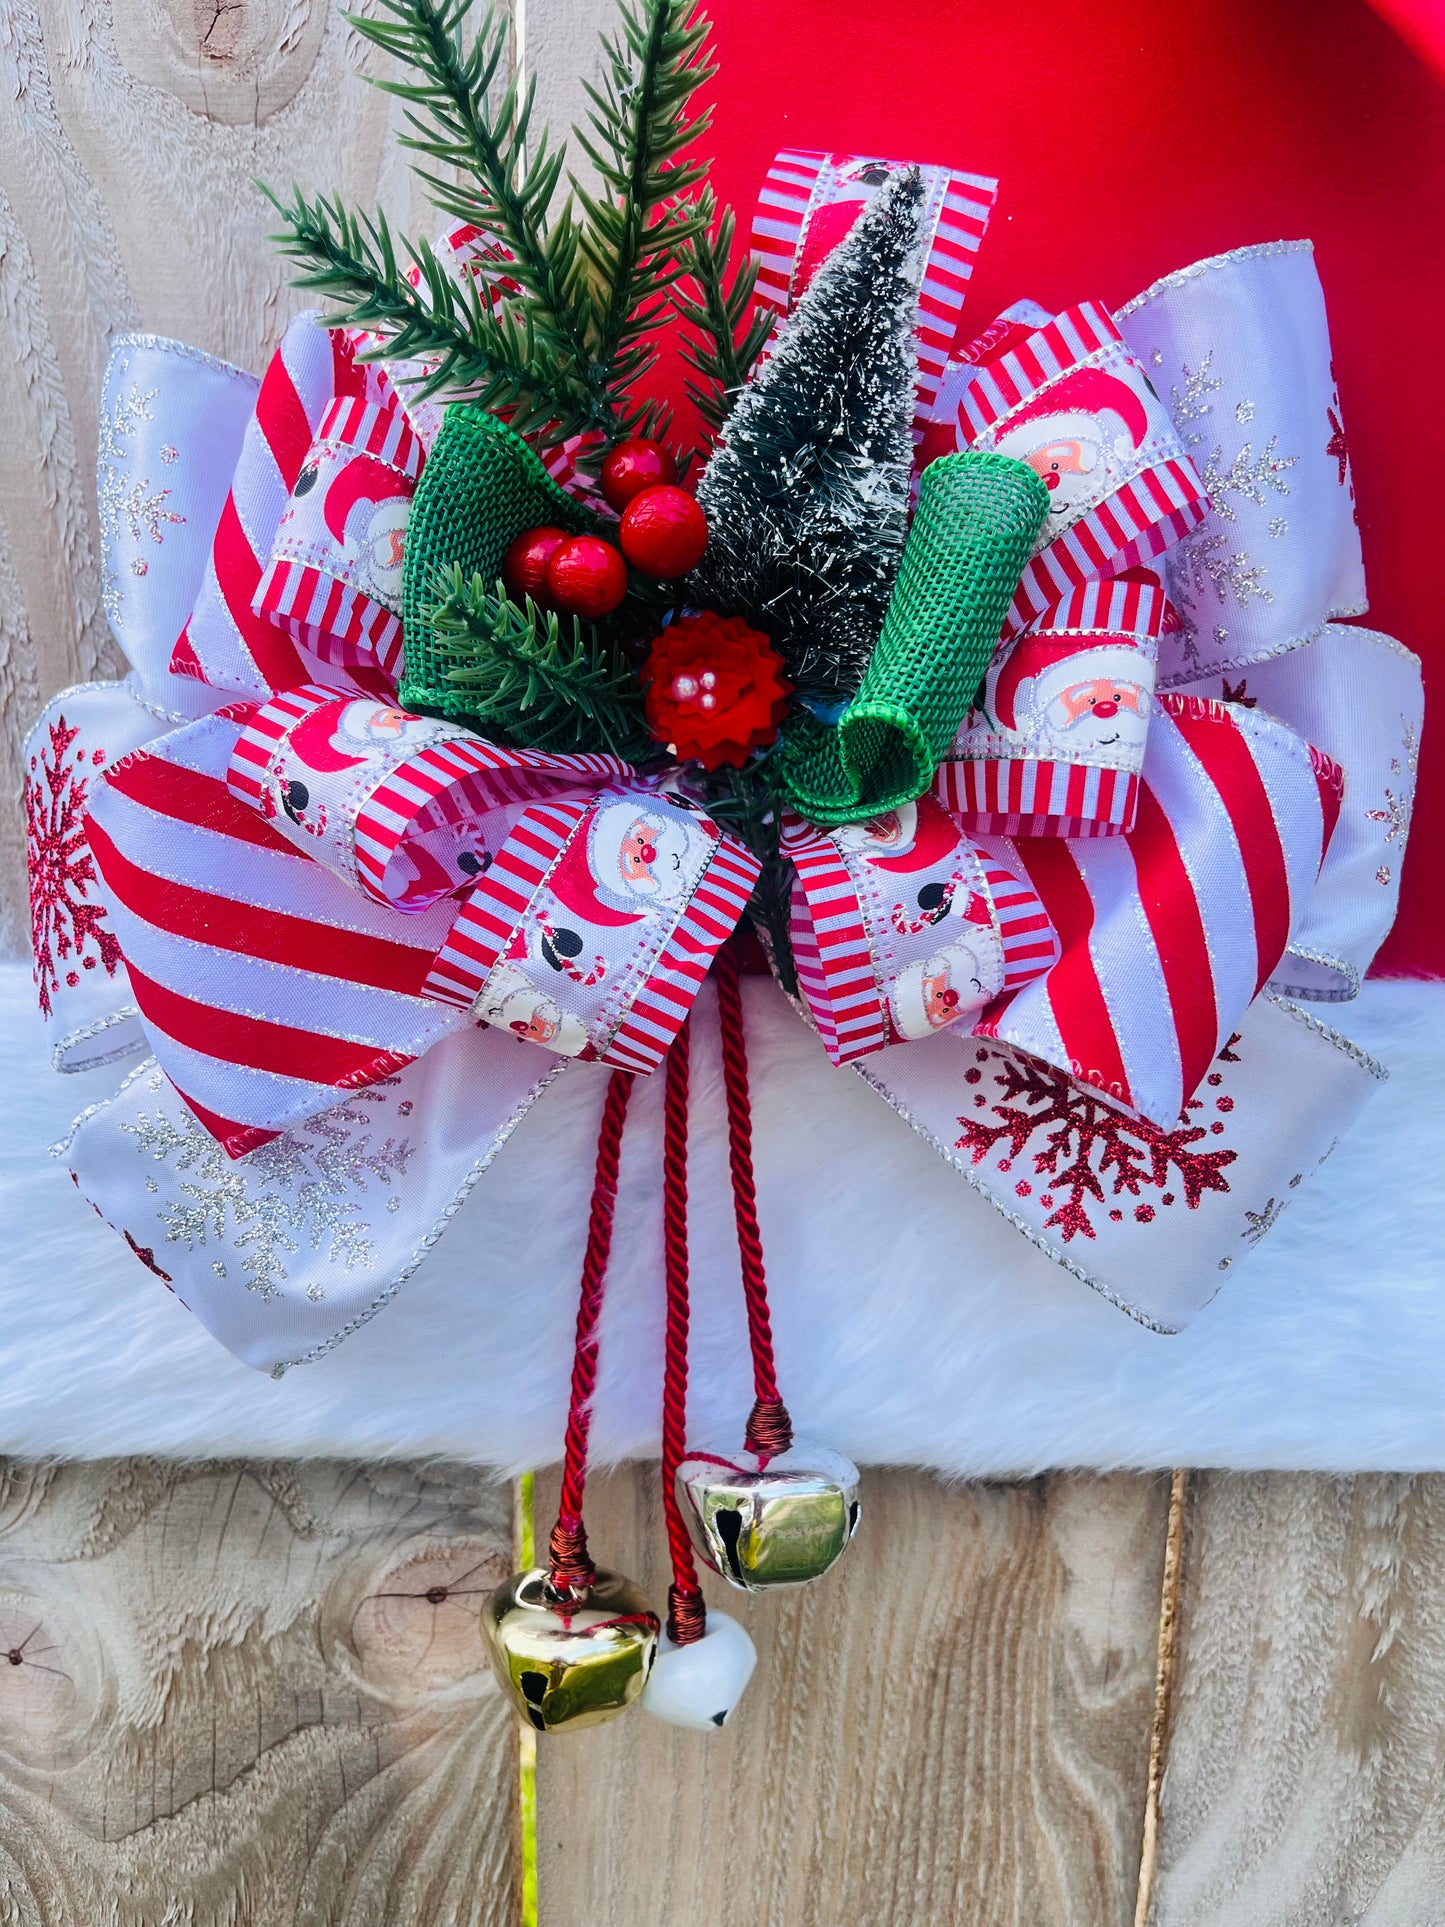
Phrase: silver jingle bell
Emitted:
{"points": [[700, 1684], [776, 1525], [567, 1663]]}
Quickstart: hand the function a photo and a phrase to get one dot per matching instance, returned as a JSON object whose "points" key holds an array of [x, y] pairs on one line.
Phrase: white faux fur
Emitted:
{"points": [[912, 1325]]}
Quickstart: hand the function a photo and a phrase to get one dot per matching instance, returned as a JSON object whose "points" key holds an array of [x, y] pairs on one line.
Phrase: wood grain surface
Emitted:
{"points": [[252, 1696], [1306, 1777], [131, 135], [953, 1726]]}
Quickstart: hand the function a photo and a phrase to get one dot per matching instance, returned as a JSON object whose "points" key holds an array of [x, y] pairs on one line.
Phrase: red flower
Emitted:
{"points": [[715, 690]]}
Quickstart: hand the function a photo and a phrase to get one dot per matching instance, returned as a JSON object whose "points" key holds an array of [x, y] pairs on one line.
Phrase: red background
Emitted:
{"points": [[1133, 137]]}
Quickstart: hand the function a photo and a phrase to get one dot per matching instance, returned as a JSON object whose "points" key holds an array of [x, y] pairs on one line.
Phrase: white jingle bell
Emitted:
{"points": [[699, 1684], [779, 1524]]}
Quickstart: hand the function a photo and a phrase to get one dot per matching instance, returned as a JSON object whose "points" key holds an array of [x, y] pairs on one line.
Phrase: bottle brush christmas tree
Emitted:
{"points": [[807, 497]]}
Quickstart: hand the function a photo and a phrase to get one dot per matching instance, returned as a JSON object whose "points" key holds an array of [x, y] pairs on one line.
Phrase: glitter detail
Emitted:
{"points": [[139, 565], [1278, 527], [1257, 1223], [170, 454], [1384, 874], [1399, 808], [66, 921], [127, 503], [1196, 270], [1244, 411], [302, 1191]]}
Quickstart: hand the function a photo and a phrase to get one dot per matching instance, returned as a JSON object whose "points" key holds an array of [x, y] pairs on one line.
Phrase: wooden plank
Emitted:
{"points": [[952, 1726], [130, 135], [1306, 1776], [252, 1695]]}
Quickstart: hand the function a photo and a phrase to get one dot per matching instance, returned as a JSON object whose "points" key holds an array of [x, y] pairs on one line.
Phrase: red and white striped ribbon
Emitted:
{"points": [[1168, 933], [1057, 744], [334, 578], [225, 642], [547, 947], [808, 203], [406, 808], [1070, 399], [901, 925]]}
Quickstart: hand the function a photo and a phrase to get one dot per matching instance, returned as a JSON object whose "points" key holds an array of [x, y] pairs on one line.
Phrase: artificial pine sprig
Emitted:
{"points": [[523, 676], [488, 353], [723, 358], [638, 126], [505, 181]]}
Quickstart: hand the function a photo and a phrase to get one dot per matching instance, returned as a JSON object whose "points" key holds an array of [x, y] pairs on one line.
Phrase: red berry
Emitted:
{"points": [[586, 576], [663, 532], [524, 566], [633, 466]]}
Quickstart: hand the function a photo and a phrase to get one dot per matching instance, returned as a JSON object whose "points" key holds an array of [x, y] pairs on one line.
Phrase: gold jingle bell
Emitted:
{"points": [[776, 1525], [570, 1660]]}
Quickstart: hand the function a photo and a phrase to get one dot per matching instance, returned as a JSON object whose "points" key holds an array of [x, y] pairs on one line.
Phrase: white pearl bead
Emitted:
{"points": [[699, 1685], [708, 679], [707, 702], [684, 688]]}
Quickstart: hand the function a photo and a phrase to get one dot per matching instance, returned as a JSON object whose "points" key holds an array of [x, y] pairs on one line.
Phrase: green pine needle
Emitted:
{"points": [[505, 175], [722, 358], [521, 676], [638, 125]]}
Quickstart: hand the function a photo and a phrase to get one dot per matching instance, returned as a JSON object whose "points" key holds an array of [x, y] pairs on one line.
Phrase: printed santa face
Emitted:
{"points": [[952, 983], [1074, 704], [641, 854], [382, 551], [1079, 436], [916, 836], [510, 1001]]}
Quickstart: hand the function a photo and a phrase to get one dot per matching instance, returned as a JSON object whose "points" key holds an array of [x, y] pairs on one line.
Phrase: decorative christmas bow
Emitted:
{"points": [[1062, 945]]}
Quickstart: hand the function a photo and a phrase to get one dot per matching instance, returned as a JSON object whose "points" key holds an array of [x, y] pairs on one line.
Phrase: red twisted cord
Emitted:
{"points": [[572, 1570], [686, 1614], [769, 1428]]}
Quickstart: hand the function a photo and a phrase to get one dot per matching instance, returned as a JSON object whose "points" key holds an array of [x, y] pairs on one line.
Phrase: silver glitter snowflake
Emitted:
{"points": [[1257, 1223], [127, 502], [303, 1191], [1399, 807], [1206, 563]]}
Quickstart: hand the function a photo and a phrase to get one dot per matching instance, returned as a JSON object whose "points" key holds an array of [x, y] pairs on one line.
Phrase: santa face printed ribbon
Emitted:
{"points": [[902, 927], [334, 577], [1071, 401], [1093, 1027], [1057, 744]]}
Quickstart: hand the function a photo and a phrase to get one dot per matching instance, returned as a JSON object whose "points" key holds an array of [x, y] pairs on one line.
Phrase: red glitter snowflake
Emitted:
{"points": [[68, 933], [1091, 1152]]}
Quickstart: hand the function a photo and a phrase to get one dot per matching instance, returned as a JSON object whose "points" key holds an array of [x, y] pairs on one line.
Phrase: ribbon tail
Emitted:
{"points": [[1154, 1219], [289, 1251]]}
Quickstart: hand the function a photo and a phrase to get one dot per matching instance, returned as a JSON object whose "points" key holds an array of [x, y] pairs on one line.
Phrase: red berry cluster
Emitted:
{"points": [[662, 533]]}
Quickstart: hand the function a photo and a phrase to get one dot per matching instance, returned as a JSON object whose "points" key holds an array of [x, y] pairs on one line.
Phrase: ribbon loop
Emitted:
{"points": [[1056, 744], [902, 927], [334, 578], [1240, 346], [593, 930], [407, 809], [1071, 401]]}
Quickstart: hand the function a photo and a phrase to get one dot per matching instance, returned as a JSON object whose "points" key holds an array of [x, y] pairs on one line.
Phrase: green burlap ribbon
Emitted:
{"points": [[481, 487], [978, 517]]}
